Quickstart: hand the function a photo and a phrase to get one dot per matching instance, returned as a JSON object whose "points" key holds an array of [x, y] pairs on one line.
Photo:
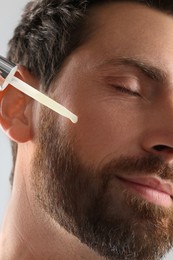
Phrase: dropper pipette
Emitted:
{"points": [[7, 77]]}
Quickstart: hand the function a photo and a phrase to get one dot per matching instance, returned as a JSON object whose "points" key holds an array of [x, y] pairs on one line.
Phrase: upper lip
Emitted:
{"points": [[152, 182]]}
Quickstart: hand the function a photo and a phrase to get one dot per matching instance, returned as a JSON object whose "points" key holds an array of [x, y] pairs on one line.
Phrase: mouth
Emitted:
{"points": [[153, 189]]}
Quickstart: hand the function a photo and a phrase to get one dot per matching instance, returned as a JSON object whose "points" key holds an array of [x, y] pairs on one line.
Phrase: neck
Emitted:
{"points": [[29, 233]]}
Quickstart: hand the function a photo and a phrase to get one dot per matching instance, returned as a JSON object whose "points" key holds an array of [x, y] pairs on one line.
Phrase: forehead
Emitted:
{"points": [[129, 29], [131, 19]]}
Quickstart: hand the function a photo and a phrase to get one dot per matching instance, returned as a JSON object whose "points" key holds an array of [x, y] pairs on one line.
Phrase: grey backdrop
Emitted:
{"points": [[10, 15]]}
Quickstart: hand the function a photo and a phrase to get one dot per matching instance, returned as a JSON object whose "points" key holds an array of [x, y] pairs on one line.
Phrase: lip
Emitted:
{"points": [[151, 188]]}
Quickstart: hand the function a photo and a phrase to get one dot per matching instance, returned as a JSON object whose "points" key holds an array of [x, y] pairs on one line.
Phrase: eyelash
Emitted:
{"points": [[125, 90]]}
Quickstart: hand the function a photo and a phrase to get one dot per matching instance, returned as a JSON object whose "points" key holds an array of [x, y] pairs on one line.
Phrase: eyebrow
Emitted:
{"points": [[150, 71]]}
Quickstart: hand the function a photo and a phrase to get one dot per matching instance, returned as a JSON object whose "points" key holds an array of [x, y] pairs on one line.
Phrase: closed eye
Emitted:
{"points": [[126, 90]]}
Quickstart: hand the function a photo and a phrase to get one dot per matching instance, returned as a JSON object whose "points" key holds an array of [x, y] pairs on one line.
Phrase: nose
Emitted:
{"points": [[158, 137], [161, 145]]}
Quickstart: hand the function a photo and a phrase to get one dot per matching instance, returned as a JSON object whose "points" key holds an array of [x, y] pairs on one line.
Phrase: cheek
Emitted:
{"points": [[108, 126], [105, 132]]}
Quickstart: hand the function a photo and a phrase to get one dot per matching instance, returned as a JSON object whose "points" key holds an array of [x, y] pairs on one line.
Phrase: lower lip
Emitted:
{"points": [[151, 195]]}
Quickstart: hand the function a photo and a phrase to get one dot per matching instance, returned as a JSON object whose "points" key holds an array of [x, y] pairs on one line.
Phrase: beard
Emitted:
{"points": [[91, 203]]}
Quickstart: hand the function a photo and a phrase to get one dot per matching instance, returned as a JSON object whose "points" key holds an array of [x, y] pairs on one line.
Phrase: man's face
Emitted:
{"points": [[102, 179]]}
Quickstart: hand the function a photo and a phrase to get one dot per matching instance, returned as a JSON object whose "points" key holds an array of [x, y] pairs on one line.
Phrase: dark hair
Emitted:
{"points": [[50, 30]]}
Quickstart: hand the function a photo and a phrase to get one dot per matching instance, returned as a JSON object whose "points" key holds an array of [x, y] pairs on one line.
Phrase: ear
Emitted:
{"points": [[16, 109]]}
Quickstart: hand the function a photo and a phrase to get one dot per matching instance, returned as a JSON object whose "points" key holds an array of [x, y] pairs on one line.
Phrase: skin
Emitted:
{"points": [[105, 113]]}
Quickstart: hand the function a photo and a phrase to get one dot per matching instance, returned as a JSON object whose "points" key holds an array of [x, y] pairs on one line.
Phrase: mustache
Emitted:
{"points": [[148, 165]]}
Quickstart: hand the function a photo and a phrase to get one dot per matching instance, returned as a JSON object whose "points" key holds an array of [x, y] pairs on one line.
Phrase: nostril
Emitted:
{"points": [[165, 152], [160, 147]]}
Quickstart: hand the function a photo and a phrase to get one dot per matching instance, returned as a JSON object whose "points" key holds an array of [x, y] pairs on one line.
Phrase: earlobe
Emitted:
{"points": [[16, 111]]}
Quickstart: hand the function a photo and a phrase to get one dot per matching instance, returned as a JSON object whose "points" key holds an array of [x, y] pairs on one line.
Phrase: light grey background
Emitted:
{"points": [[9, 16]]}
